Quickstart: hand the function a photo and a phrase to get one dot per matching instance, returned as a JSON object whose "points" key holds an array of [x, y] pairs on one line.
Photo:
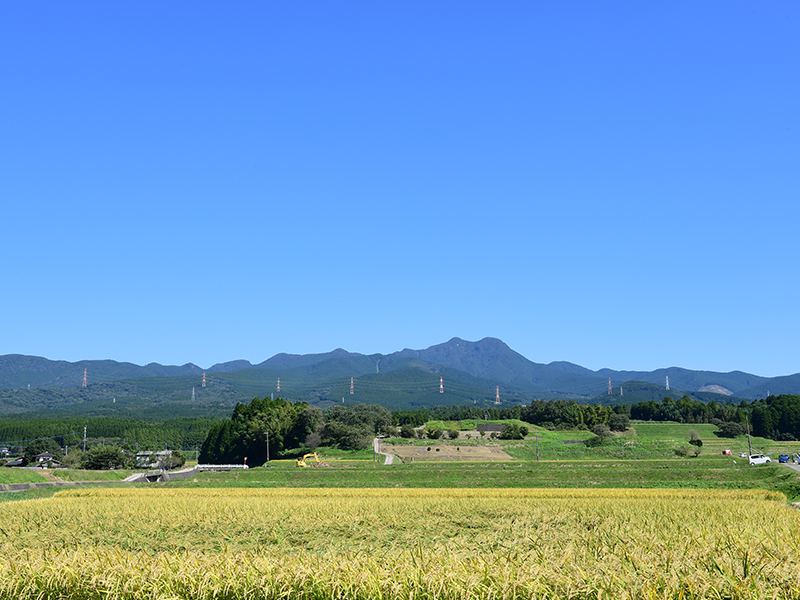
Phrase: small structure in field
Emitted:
{"points": [[489, 428], [152, 460]]}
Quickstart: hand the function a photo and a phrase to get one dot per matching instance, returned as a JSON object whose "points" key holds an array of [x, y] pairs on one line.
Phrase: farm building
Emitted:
{"points": [[490, 428], [152, 460]]}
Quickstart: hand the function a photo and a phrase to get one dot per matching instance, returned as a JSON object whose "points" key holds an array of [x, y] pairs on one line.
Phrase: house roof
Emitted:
{"points": [[490, 427]]}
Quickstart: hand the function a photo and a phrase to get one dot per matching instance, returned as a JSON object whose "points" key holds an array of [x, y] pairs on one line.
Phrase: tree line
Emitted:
{"points": [[774, 417], [186, 432], [277, 426]]}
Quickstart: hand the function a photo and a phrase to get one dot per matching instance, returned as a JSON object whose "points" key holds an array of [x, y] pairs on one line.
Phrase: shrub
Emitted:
{"points": [[407, 431], [602, 430], [453, 434], [683, 450], [513, 431], [177, 460], [313, 440], [104, 458], [618, 422]]}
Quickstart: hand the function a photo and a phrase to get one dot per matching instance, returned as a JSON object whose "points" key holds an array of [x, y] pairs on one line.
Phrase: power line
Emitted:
{"points": [[17, 442]]}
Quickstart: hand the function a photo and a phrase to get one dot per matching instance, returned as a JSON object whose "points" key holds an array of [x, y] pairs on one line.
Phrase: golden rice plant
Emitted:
{"points": [[404, 544]]}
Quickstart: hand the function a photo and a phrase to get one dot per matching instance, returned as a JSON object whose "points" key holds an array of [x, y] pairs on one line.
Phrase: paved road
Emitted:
{"points": [[376, 447]]}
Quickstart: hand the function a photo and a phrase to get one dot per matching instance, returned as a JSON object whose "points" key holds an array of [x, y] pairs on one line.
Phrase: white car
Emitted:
{"points": [[759, 459]]}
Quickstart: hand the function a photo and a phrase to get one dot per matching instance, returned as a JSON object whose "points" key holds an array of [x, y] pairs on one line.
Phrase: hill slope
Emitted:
{"points": [[471, 372]]}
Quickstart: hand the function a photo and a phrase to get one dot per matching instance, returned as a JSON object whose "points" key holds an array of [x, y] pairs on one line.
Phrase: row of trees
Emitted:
{"points": [[775, 417], [255, 427], [145, 435], [420, 416], [569, 414], [687, 410], [283, 426], [551, 414]]}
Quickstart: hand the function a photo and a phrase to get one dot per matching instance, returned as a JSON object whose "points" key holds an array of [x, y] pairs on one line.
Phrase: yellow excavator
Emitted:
{"points": [[301, 462]]}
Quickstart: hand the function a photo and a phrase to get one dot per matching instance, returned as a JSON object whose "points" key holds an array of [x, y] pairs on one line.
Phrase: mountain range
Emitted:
{"points": [[455, 372]]}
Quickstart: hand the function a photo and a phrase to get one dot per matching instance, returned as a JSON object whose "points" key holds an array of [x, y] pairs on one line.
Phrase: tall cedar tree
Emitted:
{"points": [[245, 434]]}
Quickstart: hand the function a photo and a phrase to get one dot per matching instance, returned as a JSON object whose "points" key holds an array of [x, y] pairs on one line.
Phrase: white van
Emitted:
{"points": [[759, 459]]}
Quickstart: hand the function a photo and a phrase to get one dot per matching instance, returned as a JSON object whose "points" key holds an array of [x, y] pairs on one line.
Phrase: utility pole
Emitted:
{"points": [[266, 433], [84, 438], [749, 444], [537, 446]]}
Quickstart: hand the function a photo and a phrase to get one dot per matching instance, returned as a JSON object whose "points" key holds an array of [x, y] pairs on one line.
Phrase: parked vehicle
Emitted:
{"points": [[784, 458], [759, 459]]}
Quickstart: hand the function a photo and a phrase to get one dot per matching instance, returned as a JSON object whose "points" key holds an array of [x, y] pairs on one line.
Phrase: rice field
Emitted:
{"points": [[409, 544]]}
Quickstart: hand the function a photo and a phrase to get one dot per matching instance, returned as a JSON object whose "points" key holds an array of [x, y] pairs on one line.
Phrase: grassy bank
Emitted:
{"points": [[672, 473]]}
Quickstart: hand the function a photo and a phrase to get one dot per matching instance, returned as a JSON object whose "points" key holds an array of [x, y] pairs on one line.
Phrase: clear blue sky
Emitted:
{"points": [[614, 184]]}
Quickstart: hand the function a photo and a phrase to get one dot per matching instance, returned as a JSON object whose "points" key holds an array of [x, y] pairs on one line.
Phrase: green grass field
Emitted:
{"points": [[586, 474]]}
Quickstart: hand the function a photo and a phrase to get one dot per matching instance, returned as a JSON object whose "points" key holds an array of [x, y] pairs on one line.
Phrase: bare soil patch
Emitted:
{"points": [[446, 452]]}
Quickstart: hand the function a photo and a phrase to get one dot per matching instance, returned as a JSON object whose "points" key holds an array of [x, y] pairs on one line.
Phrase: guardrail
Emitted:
{"points": [[221, 467]]}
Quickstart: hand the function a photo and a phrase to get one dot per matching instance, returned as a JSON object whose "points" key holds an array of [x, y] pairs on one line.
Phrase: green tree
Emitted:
{"points": [[513, 431], [287, 425], [434, 433], [407, 430], [730, 429], [101, 458], [353, 427], [618, 422], [175, 461], [39, 446]]}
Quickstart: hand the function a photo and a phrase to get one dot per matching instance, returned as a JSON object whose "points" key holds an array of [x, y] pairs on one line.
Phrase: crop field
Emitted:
{"points": [[643, 440], [223, 543]]}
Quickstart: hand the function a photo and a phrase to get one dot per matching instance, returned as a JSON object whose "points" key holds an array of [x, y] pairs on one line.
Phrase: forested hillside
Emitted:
{"points": [[457, 372]]}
